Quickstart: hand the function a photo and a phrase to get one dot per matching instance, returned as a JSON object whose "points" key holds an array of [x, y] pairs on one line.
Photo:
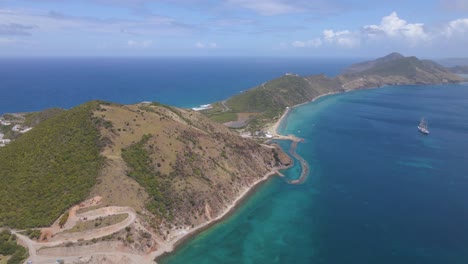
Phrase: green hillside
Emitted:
{"points": [[50, 168], [405, 66], [272, 97], [269, 100]]}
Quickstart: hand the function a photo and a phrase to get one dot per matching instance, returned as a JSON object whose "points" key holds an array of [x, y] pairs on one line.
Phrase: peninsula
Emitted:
{"points": [[125, 183], [256, 109]]}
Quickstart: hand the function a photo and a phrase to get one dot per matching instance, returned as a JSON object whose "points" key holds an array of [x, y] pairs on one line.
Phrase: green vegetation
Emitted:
{"points": [[219, 113], [63, 219], [138, 160], [50, 168], [271, 98], [33, 233], [9, 247], [223, 117], [7, 132], [402, 67], [34, 119]]}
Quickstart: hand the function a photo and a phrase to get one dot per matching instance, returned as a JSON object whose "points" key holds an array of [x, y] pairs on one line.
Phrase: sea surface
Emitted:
{"points": [[378, 192], [39, 83]]}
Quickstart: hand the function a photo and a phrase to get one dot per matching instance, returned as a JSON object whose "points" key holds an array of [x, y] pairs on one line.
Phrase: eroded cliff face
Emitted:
{"points": [[176, 165]]}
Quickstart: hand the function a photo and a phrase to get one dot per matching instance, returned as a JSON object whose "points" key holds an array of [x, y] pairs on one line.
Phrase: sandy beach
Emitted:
{"points": [[273, 129]]}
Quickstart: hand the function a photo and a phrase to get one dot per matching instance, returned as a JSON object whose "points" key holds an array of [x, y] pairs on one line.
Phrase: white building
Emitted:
{"points": [[4, 123]]}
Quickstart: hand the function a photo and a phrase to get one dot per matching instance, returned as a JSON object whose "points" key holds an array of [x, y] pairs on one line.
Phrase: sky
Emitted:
{"points": [[321, 28]]}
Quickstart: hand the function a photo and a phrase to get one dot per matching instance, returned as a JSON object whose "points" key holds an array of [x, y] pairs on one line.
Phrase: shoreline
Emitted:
{"points": [[177, 241], [273, 129], [171, 246]]}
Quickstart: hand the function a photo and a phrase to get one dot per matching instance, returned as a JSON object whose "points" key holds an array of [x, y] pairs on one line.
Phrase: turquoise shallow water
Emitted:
{"points": [[378, 192]]}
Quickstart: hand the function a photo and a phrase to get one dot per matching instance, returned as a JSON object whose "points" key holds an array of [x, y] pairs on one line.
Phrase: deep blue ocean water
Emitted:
{"points": [[38, 83], [378, 191]]}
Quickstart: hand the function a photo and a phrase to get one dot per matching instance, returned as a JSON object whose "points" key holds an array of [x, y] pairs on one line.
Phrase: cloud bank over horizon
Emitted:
{"points": [[392, 29]]}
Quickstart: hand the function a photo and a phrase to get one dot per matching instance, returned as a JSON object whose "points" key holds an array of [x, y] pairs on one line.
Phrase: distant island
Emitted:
{"points": [[132, 181], [459, 69]]}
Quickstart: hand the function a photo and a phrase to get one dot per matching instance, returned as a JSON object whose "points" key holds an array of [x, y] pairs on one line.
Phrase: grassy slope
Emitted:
{"points": [[411, 68], [48, 169], [273, 97]]}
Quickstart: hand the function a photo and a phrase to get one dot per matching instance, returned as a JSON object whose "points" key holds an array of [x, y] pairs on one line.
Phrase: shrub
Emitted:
{"points": [[63, 219]]}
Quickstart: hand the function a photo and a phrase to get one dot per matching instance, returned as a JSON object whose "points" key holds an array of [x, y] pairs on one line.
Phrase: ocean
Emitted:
{"points": [[378, 191], [33, 84]]}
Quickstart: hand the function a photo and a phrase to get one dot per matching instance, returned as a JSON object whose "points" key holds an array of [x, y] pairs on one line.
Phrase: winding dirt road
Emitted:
{"points": [[59, 239]]}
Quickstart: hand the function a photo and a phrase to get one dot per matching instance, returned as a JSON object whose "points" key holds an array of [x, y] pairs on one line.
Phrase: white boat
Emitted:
{"points": [[423, 127]]}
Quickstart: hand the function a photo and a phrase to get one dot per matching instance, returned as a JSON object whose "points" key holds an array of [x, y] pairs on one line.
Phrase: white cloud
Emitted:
{"points": [[456, 5], [456, 27], [281, 7], [14, 29], [344, 38], [315, 43], [392, 26], [139, 44], [27, 22], [7, 41], [202, 45], [267, 7]]}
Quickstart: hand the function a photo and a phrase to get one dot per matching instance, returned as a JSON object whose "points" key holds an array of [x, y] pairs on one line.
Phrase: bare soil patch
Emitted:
{"points": [[98, 223]]}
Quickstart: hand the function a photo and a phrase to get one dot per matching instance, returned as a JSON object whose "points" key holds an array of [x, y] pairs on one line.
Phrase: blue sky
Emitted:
{"points": [[328, 28]]}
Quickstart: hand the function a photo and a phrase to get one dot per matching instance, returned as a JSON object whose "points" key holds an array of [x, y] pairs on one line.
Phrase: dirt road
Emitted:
{"points": [[95, 253]]}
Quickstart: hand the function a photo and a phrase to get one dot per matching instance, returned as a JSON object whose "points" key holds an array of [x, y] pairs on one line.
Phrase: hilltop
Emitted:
{"points": [[151, 172], [395, 69], [264, 104]]}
